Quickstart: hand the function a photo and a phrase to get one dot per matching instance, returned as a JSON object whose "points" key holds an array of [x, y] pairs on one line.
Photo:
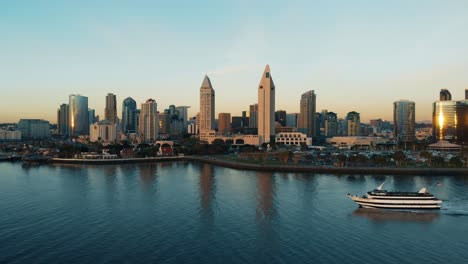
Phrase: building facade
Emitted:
{"points": [[110, 112], [450, 121], [280, 117], [104, 132], [62, 120], [78, 115], [224, 123], [331, 125], [34, 128], [148, 124], [253, 115], [129, 118], [266, 106], [306, 120], [404, 122], [353, 124], [293, 138], [207, 106]]}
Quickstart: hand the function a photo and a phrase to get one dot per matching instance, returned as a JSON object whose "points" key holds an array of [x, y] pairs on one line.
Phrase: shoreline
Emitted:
{"points": [[273, 168]]}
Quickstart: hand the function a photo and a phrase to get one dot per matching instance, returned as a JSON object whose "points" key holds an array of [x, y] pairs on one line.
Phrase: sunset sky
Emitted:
{"points": [[356, 55]]}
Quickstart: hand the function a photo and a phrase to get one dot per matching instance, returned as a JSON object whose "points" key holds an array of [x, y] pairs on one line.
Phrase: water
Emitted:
{"points": [[196, 213]]}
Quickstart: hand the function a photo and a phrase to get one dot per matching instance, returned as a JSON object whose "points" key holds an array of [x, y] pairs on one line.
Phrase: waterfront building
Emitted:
{"points": [[404, 121], [34, 128], [293, 138], [280, 117], [331, 125], [353, 124], [148, 124], [129, 117], [224, 123], [450, 121], [6, 135], [207, 106], [291, 120], [356, 142], [78, 115], [210, 136], [306, 119], [104, 132], [110, 112], [253, 115], [62, 120]]}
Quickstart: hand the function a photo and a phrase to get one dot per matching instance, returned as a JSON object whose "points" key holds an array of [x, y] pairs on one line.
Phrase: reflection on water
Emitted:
{"points": [[207, 187], [378, 215], [265, 195]]}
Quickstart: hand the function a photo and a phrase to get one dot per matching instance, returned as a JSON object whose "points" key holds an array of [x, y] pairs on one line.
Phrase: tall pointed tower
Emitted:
{"points": [[207, 105], [266, 106]]}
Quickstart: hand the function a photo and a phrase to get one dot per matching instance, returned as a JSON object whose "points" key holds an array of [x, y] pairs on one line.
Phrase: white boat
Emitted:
{"points": [[383, 199]]}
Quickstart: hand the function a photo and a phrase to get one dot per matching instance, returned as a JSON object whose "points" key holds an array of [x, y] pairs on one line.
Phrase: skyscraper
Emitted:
{"points": [[306, 118], [148, 129], [91, 116], [110, 112], [62, 122], [450, 121], [404, 121], [253, 115], [224, 123], [331, 125], [291, 120], [129, 120], [207, 105], [78, 115], [266, 106], [353, 124], [34, 128], [183, 114]]}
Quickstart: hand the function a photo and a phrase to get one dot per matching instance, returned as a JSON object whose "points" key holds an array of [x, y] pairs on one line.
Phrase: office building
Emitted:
{"points": [[291, 120], [306, 120], [450, 121], [331, 125], [78, 115], [266, 107], [62, 120], [148, 125], [404, 121], [253, 115], [110, 112], [129, 117], [353, 124], [280, 117], [104, 132], [34, 128], [224, 123]]}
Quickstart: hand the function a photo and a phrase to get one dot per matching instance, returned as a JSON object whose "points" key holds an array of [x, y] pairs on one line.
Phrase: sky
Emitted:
{"points": [[357, 55]]}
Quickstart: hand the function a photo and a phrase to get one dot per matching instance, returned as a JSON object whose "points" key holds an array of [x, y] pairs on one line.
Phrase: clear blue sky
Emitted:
{"points": [[356, 55]]}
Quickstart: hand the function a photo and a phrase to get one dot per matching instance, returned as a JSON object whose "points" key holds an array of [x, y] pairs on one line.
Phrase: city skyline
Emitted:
{"points": [[345, 52]]}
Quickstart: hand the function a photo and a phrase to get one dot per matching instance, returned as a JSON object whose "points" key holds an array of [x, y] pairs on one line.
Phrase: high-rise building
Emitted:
{"points": [[164, 120], [306, 119], [62, 122], [466, 94], [129, 119], [331, 125], [376, 125], [404, 121], [110, 112], [450, 121], [353, 124], [183, 114], [253, 115], [266, 107], [445, 95], [280, 117], [224, 123], [207, 105], [78, 115], [91, 116], [291, 120], [148, 129]]}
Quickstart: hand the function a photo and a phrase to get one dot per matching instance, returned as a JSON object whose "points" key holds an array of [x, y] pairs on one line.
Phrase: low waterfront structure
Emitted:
{"points": [[6, 135], [293, 138], [210, 136], [360, 142], [445, 146]]}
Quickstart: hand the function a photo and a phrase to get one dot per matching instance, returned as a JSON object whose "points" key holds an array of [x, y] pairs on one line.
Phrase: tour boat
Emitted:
{"points": [[383, 199]]}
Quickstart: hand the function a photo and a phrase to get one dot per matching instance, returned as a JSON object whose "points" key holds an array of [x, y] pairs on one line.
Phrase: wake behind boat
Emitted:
{"points": [[383, 199]]}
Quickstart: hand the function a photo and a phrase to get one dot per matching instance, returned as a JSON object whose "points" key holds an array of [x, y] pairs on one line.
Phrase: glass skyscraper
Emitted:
{"points": [[78, 115], [129, 119], [404, 121]]}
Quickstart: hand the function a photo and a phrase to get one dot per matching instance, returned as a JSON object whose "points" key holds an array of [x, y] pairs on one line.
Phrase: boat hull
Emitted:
{"points": [[411, 204]]}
